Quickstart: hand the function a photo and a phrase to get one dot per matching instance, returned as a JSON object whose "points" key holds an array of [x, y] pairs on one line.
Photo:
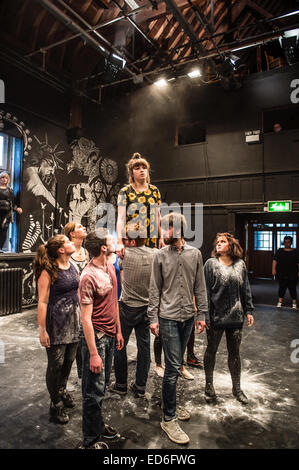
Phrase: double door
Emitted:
{"points": [[263, 242]]}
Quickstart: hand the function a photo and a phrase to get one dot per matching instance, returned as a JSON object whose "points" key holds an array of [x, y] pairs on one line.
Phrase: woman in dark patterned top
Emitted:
{"points": [[139, 200], [58, 318], [7, 206], [77, 234], [230, 302]]}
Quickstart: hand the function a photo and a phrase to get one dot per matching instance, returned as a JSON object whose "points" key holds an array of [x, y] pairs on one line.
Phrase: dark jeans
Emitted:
{"points": [[174, 336], [158, 346], [94, 387], [79, 359], [60, 361], [233, 341], [285, 284], [133, 317]]}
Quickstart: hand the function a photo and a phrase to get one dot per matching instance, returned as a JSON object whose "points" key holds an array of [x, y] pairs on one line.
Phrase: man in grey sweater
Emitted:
{"points": [[177, 277], [136, 269]]}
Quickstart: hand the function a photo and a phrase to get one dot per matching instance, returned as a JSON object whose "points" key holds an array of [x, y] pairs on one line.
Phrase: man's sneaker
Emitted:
{"points": [[193, 361], [186, 374], [210, 395], [137, 393], [183, 414], [241, 397], [96, 446], [114, 388], [67, 399], [159, 370], [174, 431], [58, 414], [279, 305], [109, 432]]}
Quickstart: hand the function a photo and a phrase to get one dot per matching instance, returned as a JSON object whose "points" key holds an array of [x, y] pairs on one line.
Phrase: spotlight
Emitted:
{"points": [[289, 42], [161, 83], [194, 73], [227, 67]]}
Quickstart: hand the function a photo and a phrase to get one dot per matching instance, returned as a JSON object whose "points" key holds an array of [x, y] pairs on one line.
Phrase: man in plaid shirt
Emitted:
{"points": [[136, 269]]}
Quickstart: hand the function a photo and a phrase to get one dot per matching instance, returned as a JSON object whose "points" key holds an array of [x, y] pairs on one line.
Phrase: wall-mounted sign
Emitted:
{"points": [[279, 206]]}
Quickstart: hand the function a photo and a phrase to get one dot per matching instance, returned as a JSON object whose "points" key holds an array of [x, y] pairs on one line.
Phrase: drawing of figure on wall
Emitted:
{"points": [[40, 174], [41, 188]]}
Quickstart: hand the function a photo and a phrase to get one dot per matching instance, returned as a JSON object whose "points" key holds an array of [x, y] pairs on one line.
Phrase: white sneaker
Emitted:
{"points": [[174, 431], [186, 374], [279, 305], [159, 371], [183, 414], [294, 306]]}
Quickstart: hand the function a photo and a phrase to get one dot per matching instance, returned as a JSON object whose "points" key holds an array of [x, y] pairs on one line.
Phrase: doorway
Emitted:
{"points": [[264, 239]]}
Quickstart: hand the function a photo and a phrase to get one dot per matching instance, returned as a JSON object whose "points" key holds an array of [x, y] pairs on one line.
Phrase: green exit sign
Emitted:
{"points": [[279, 206]]}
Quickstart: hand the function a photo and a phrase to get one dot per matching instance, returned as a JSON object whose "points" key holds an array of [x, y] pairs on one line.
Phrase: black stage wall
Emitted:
{"points": [[65, 177]]}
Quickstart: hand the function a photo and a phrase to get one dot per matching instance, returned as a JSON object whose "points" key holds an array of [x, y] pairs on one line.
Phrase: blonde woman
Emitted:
{"points": [[7, 206], [58, 318]]}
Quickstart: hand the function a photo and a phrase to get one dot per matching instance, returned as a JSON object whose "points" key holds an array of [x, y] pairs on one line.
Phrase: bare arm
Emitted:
{"points": [[274, 264], [95, 361], [43, 283], [119, 336], [120, 230]]}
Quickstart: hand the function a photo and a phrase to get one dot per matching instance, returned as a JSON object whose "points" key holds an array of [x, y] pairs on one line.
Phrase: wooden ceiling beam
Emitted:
{"points": [[258, 8], [20, 15], [36, 27]]}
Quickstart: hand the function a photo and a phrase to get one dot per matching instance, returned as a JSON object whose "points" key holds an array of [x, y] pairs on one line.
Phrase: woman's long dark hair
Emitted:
{"points": [[46, 257], [235, 250]]}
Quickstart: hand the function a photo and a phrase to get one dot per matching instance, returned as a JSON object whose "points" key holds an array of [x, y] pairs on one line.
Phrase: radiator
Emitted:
{"points": [[10, 290]]}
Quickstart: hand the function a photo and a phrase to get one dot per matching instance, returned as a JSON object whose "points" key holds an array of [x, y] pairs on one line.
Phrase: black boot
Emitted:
{"points": [[210, 395], [58, 414], [240, 396], [67, 399]]}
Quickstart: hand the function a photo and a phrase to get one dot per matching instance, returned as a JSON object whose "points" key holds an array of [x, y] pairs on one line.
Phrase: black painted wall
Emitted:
{"points": [[224, 170]]}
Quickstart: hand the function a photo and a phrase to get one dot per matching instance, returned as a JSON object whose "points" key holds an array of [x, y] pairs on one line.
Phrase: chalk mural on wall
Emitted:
{"points": [[48, 165], [102, 173]]}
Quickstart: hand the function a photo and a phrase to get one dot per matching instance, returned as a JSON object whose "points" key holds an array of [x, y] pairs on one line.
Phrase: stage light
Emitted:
{"points": [[160, 83], [289, 43], [194, 73]]}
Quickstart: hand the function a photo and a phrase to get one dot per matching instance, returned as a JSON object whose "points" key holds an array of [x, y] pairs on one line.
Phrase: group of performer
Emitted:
{"points": [[165, 290], [90, 300]]}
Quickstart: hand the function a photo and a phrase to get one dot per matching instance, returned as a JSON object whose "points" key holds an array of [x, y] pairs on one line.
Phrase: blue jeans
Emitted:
{"points": [[174, 336], [133, 317], [93, 389]]}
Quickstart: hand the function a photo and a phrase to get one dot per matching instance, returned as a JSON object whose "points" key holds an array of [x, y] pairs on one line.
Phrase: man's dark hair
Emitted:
{"points": [[175, 220], [94, 242]]}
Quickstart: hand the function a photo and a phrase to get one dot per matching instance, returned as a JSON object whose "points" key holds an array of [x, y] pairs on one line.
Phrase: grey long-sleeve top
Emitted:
{"points": [[176, 278], [229, 293]]}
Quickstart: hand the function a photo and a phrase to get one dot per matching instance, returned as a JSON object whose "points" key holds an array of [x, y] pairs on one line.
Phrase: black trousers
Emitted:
{"points": [[60, 360], [3, 228], [285, 284], [233, 341]]}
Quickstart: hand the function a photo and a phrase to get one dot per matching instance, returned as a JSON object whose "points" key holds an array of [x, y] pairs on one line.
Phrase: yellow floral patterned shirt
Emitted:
{"points": [[142, 207]]}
